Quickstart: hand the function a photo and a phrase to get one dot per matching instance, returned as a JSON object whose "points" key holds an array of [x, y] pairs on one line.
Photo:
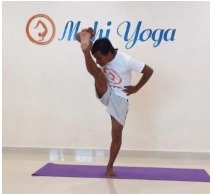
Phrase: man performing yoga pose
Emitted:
{"points": [[112, 83]]}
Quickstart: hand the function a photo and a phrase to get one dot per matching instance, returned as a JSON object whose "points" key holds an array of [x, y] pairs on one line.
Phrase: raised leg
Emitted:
{"points": [[100, 80]]}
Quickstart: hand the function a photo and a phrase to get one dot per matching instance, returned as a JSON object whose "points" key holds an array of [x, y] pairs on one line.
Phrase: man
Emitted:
{"points": [[112, 83]]}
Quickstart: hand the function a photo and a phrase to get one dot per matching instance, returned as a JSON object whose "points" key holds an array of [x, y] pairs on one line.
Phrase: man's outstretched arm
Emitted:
{"points": [[147, 73]]}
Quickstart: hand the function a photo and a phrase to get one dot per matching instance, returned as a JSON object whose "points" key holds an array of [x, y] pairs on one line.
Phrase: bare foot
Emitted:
{"points": [[110, 172], [91, 31], [85, 39]]}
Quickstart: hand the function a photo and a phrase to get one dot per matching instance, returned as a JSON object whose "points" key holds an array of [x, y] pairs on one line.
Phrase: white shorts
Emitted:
{"points": [[116, 106]]}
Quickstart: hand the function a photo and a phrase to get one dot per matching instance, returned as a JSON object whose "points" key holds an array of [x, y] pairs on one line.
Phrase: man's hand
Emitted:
{"points": [[130, 90]]}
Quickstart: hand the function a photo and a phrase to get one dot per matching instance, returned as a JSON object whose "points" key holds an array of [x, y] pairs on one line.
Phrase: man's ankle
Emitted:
{"points": [[110, 166]]}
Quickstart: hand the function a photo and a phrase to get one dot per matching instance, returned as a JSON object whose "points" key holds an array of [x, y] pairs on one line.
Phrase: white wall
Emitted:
{"points": [[48, 96]]}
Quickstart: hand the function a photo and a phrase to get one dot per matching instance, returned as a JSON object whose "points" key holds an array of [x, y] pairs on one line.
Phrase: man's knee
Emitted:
{"points": [[116, 124]]}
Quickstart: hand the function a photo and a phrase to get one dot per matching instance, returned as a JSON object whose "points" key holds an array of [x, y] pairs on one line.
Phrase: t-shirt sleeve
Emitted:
{"points": [[135, 65]]}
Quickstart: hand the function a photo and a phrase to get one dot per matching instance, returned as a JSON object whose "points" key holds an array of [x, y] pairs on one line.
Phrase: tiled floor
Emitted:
{"points": [[19, 165]]}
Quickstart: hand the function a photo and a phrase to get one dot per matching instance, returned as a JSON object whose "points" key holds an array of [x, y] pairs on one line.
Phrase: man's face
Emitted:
{"points": [[102, 59]]}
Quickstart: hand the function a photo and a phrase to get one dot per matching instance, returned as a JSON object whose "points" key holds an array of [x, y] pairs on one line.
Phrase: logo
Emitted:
{"points": [[130, 33], [112, 76], [40, 29]]}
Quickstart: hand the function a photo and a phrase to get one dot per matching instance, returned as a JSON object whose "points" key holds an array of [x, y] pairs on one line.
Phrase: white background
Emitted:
{"points": [[48, 96]]}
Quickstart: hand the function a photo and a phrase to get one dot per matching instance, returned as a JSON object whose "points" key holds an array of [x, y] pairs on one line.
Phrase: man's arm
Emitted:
{"points": [[147, 73]]}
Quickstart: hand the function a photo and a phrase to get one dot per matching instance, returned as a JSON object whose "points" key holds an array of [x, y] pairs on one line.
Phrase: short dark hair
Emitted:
{"points": [[103, 45]]}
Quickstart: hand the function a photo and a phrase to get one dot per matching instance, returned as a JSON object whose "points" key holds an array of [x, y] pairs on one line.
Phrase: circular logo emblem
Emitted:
{"points": [[112, 76], [40, 29]]}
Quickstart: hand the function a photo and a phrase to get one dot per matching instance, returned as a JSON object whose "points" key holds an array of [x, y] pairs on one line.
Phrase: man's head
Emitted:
{"points": [[103, 51]]}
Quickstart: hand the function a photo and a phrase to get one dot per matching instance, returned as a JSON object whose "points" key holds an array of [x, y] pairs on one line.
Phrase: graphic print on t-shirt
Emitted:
{"points": [[112, 76]]}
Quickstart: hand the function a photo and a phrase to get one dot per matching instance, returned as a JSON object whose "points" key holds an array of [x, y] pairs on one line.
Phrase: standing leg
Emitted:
{"points": [[115, 145]]}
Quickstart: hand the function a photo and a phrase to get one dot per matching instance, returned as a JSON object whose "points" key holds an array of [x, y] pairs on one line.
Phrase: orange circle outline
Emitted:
{"points": [[31, 38]]}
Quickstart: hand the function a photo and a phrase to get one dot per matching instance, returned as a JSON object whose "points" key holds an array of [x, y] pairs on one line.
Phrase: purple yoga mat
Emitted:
{"points": [[148, 173]]}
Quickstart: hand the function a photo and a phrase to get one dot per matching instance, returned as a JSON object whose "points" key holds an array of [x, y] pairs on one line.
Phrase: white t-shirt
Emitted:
{"points": [[118, 72]]}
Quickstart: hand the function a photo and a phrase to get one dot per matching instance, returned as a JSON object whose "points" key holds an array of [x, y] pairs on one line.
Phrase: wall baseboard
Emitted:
{"points": [[105, 152]]}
